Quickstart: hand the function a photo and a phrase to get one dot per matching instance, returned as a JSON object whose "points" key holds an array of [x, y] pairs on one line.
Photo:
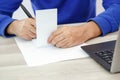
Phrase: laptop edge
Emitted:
{"points": [[115, 67]]}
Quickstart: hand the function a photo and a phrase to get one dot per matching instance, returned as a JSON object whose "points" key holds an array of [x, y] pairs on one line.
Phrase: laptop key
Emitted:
{"points": [[106, 55]]}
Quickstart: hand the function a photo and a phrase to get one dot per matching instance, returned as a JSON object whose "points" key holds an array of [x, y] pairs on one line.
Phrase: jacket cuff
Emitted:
{"points": [[103, 24], [4, 26]]}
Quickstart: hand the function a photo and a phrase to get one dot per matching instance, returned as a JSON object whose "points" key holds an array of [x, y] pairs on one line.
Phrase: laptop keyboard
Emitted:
{"points": [[106, 55]]}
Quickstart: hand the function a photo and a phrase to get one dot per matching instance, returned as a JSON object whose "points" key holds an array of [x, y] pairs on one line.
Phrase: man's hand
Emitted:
{"points": [[68, 36], [25, 29]]}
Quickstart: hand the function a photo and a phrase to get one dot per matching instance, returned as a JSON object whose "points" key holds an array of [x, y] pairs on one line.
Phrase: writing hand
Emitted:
{"points": [[25, 28]]}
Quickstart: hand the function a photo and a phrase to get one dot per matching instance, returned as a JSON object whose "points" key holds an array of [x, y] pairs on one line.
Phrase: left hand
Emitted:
{"points": [[68, 36]]}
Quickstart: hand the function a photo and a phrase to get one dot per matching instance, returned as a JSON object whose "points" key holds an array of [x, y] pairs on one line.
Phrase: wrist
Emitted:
{"points": [[93, 29], [11, 27]]}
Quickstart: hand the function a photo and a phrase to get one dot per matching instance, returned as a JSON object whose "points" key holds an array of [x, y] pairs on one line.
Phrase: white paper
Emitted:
{"points": [[46, 23], [35, 56]]}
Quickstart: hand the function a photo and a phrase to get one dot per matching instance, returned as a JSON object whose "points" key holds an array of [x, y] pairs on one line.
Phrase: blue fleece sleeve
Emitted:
{"points": [[109, 20], [7, 8]]}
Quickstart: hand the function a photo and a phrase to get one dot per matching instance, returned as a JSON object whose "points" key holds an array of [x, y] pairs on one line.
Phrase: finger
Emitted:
{"points": [[32, 21], [53, 35], [62, 43], [33, 29], [57, 39], [31, 34], [67, 45], [27, 37]]}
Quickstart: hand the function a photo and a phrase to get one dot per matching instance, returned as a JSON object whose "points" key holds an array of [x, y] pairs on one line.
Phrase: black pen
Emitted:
{"points": [[26, 11]]}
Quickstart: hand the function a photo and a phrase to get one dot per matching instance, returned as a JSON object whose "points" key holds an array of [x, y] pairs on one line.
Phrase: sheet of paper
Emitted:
{"points": [[46, 23], [35, 56]]}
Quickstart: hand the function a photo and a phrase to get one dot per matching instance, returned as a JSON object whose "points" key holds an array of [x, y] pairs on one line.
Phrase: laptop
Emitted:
{"points": [[106, 54]]}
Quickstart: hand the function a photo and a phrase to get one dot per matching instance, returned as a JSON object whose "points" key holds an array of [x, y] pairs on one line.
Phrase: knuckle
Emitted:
{"points": [[58, 45], [53, 42], [54, 33]]}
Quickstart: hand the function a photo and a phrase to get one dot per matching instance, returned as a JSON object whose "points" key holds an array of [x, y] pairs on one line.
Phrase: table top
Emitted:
{"points": [[13, 66]]}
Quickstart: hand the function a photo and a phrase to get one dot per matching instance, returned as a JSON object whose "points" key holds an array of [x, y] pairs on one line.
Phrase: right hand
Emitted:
{"points": [[25, 28]]}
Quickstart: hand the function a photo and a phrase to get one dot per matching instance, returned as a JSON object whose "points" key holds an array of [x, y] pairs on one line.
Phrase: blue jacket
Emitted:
{"points": [[69, 11]]}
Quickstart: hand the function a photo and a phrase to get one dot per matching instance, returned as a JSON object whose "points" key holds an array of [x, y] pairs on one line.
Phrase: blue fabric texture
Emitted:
{"points": [[69, 11]]}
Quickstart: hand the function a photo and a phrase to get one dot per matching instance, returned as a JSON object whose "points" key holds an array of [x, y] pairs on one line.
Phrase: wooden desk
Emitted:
{"points": [[13, 67]]}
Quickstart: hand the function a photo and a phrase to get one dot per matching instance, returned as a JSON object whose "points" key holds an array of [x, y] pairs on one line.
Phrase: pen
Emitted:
{"points": [[26, 11]]}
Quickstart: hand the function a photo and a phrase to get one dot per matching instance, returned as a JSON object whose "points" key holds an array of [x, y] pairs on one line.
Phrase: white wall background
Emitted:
{"points": [[19, 14]]}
